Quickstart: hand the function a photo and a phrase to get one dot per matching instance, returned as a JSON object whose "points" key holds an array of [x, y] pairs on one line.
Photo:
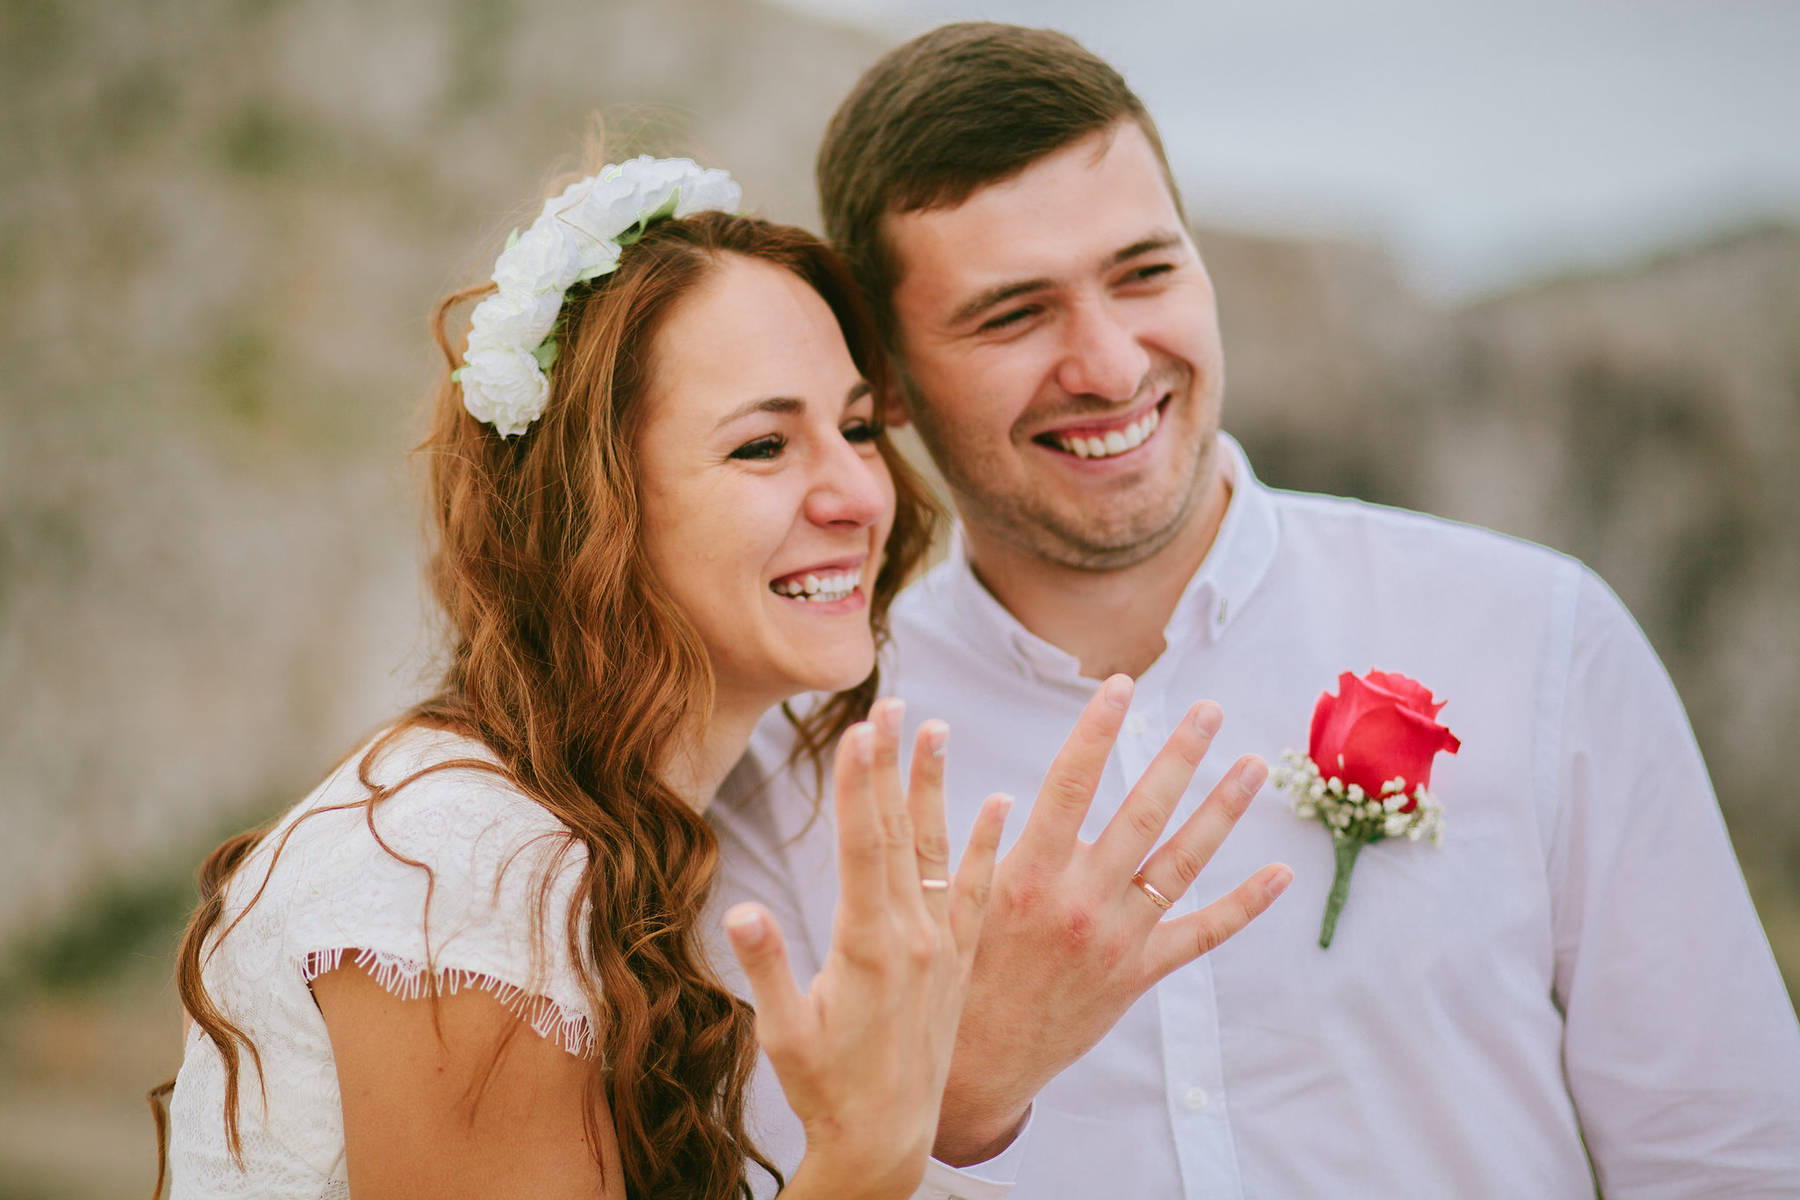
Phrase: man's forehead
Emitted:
{"points": [[1074, 211]]}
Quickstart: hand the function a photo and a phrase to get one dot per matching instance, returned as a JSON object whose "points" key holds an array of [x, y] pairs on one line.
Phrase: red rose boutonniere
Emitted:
{"points": [[1367, 769]]}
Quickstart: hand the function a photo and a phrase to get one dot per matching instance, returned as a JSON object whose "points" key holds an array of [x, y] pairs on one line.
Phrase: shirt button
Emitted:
{"points": [[1135, 724], [1194, 1098]]}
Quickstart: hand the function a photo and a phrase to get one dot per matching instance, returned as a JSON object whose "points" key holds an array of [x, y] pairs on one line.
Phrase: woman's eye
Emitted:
{"points": [[862, 431], [761, 448]]}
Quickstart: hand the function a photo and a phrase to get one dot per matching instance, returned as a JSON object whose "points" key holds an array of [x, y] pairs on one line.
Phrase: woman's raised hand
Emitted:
{"points": [[864, 1052]]}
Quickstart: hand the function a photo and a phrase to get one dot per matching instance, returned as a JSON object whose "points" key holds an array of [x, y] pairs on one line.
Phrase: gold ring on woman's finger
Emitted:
{"points": [[1149, 889]]}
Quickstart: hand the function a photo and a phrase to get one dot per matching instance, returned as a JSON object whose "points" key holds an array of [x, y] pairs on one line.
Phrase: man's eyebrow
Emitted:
{"points": [[788, 405], [994, 296], [1001, 293], [1160, 240]]}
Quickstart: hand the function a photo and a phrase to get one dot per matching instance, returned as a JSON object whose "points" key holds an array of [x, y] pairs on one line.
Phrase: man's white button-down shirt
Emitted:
{"points": [[1573, 989]]}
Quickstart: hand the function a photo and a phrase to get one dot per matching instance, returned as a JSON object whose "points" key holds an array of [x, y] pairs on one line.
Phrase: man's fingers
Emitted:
{"points": [[1175, 864], [1050, 833], [975, 875], [1179, 941], [1134, 829], [862, 861], [756, 941], [925, 801]]}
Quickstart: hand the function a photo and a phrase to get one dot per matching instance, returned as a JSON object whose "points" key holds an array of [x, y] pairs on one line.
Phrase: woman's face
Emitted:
{"points": [[765, 502]]}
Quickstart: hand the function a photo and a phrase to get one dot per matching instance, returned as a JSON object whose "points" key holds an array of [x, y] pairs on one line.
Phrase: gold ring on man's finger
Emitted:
{"points": [[1149, 889]]}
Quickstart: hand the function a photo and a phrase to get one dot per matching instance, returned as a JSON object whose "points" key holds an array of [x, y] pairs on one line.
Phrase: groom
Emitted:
{"points": [[1571, 992]]}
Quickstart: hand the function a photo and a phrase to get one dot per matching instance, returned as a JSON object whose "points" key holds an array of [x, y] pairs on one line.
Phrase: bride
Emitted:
{"points": [[470, 963]]}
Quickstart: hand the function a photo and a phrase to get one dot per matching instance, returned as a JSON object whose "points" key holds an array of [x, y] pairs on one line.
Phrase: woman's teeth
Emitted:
{"points": [[818, 588], [1117, 441]]}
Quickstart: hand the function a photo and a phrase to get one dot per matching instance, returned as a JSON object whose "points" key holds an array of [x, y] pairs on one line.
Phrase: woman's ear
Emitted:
{"points": [[893, 413]]}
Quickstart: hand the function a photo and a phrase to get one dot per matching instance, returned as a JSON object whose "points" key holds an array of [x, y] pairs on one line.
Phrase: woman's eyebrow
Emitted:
{"points": [[784, 405]]}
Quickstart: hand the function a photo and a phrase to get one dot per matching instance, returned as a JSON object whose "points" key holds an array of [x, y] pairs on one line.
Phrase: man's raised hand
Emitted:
{"points": [[1070, 939]]}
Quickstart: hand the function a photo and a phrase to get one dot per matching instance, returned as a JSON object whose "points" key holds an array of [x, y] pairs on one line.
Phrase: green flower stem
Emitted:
{"points": [[1346, 850]]}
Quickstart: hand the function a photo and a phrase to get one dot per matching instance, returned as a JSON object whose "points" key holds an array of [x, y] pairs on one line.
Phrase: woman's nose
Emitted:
{"points": [[852, 489]]}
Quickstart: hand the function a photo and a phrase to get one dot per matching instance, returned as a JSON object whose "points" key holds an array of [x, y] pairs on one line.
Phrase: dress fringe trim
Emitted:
{"points": [[408, 980]]}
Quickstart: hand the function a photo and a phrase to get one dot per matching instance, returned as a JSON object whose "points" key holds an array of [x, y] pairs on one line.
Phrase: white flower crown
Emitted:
{"points": [[577, 237]]}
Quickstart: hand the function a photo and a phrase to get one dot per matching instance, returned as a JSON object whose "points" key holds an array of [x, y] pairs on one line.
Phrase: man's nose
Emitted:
{"points": [[1101, 354], [851, 490]]}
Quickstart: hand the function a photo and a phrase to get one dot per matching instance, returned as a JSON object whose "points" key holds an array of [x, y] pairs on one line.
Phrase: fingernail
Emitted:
{"points": [[862, 742], [937, 734], [1208, 717], [746, 925], [1255, 772], [889, 714], [1118, 691], [1278, 883], [1004, 804]]}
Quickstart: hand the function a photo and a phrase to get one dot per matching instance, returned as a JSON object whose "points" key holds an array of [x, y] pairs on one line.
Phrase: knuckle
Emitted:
{"points": [[1079, 928], [1146, 820], [934, 845], [1186, 863], [896, 828], [979, 894], [1068, 789]]}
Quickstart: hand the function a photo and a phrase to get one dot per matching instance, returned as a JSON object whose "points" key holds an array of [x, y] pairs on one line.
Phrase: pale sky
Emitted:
{"points": [[1484, 143]]}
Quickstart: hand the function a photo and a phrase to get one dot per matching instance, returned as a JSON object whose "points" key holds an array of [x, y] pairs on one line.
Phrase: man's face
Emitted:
{"points": [[1061, 350]]}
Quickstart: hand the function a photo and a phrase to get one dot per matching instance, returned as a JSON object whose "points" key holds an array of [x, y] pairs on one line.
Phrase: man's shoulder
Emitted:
{"points": [[1336, 528]]}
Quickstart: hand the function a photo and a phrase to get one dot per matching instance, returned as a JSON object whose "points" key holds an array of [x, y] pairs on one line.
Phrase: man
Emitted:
{"points": [[1571, 993]]}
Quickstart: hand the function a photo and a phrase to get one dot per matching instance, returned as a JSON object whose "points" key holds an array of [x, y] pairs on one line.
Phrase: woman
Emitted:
{"points": [[470, 963]]}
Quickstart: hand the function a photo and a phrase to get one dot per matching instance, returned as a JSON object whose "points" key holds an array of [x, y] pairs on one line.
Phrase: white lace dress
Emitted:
{"points": [[334, 891]]}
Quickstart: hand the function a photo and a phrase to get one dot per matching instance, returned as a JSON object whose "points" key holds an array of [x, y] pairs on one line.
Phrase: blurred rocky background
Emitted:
{"points": [[222, 225]]}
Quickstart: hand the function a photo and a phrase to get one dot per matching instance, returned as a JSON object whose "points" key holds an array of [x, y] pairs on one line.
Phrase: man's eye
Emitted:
{"points": [[862, 431], [1150, 272], [1005, 320], [761, 448]]}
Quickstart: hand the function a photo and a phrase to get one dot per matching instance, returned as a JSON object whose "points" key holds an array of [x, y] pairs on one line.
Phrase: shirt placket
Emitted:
{"points": [[1187, 1003]]}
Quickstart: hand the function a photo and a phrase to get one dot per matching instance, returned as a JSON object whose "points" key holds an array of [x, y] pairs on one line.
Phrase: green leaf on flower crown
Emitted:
{"points": [[665, 209], [456, 375], [545, 354], [512, 239], [597, 270]]}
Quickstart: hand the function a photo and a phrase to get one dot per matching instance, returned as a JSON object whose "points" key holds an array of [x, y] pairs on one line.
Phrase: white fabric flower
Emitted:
{"points": [[546, 257], [575, 237], [503, 386], [513, 319]]}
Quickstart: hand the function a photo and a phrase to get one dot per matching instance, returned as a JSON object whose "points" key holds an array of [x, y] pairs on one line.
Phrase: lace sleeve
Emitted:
{"points": [[456, 880]]}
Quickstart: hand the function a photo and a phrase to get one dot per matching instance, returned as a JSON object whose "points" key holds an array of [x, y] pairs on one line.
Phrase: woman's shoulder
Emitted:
{"points": [[444, 866]]}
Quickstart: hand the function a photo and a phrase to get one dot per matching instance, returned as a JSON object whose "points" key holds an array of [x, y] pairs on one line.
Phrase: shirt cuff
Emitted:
{"points": [[990, 1180]]}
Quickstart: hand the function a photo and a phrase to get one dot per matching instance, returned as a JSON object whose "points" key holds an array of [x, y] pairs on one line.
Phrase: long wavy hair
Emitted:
{"points": [[573, 666]]}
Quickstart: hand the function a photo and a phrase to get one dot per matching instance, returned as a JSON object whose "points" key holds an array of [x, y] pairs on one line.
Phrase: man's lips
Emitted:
{"points": [[1107, 439]]}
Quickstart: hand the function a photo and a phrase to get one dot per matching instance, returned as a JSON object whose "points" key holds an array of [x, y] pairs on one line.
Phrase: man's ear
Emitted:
{"points": [[893, 414]]}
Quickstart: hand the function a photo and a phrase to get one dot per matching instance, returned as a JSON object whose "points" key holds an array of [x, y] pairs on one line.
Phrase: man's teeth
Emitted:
{"points": [[1117, 441], [818, 588]]}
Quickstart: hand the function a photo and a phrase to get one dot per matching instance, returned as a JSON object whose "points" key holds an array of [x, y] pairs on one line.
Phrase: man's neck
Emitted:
{"points": [[1111, 621]]}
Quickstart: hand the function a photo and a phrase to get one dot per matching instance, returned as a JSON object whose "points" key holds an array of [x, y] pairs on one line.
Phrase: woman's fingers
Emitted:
{"points": [[925, 803], [902, 867], [781, 1011], [1176, 863], [975, 875], [1175, 943], [862, 854]]}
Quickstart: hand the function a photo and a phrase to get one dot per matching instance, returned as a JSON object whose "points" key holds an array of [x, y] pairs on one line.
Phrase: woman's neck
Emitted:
{"points": [[698, 762]]}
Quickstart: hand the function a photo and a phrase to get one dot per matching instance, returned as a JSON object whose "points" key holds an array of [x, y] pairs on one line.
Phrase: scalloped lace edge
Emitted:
{"points": [[406, 979]]}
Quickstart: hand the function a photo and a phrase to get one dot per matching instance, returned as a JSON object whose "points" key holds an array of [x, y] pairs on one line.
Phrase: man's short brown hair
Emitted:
{"points": [[948, 113]]}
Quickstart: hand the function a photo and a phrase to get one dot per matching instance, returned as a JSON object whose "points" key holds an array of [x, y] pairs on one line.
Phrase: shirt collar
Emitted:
{"points": [[1239, 559]]}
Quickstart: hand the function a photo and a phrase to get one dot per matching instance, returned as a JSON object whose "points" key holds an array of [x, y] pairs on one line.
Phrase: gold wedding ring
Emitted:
{"points": [[935, 885], [1149, 889]]}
